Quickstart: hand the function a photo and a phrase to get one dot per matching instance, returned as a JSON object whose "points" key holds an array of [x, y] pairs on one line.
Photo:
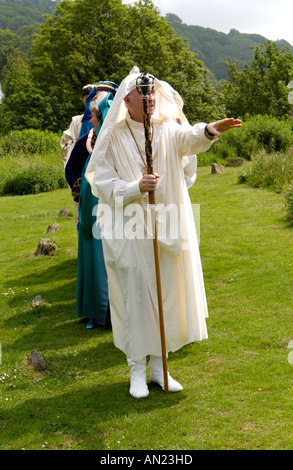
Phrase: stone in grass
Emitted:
{"points": [[64, 213], [38, 301], [37, 361], [217, 169], [46, 247], [53, 228]]}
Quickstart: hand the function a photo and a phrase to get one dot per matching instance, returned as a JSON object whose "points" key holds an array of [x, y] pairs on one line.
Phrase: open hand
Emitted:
{"points": [[223, 125]]}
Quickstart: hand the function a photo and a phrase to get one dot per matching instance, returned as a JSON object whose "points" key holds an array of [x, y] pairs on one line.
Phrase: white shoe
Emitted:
{"points": [[138, 385], [157, 375]]}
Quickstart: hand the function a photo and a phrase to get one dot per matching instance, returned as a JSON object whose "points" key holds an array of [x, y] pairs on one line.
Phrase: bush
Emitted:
{"points": [[32, 162], [270, 133], [34, 179], [274, 171], [29, 141], [257, 134]]}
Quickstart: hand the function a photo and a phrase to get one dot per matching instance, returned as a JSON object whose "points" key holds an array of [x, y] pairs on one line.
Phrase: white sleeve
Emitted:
{"points": [[189, 167], [192, 140], [111, 186]]}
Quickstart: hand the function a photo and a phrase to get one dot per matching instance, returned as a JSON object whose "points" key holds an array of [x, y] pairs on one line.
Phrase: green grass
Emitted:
{"points": [[237, 384]]}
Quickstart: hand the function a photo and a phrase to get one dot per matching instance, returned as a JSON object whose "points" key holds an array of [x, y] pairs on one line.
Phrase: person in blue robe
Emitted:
{"points": [[92, 300], [108, 87]]}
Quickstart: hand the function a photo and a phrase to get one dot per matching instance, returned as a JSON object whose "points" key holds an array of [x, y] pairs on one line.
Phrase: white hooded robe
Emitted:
{"points": [[114, 172]]}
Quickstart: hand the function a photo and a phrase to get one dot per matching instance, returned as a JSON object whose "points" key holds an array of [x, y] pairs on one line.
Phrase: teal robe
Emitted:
{"points": [[92, 284]]}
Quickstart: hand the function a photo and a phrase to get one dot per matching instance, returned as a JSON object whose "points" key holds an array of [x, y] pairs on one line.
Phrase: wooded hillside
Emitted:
{"points": [[43, 66], [214, 47], [17, 13]]}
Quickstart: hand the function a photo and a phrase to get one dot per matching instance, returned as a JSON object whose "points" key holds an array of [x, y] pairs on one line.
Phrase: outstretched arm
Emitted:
{"points": [[215, 129]]}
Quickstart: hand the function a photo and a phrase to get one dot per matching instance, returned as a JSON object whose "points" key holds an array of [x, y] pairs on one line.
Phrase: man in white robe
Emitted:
{"points": [[116, 172]]}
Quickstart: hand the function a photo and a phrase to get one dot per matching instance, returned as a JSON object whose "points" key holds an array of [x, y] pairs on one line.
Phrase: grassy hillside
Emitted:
{"points": [[237, 384]]}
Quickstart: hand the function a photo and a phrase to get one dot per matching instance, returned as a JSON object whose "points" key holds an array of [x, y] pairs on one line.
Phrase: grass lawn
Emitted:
{"points": [[237, 384]]}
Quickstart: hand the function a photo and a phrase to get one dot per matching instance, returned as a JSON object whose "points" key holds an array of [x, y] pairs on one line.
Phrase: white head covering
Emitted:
{"points": [[168, 105]]}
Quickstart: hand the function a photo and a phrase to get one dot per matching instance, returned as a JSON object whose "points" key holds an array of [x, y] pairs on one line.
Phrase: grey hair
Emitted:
{"points": [[94, 108]]}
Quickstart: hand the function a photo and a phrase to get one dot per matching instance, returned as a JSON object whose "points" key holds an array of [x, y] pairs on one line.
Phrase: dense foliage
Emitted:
{"points": [[12, 44], [273, 172], [262, 87], [30, 162], [92, 40], [88, 40], [20, 21], [258, 133], [28, 142], [33, 179], [17, 13]]}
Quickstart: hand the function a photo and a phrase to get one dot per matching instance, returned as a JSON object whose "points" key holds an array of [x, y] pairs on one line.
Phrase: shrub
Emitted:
{"points": [[29, 141], [257, 134], [274, 171], [270, 133], [34, 179]]}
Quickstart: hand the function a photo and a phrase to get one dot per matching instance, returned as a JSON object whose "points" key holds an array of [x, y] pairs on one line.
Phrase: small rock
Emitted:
{"points": [[217, 169], [46, 247], [36, 360], [53, 228], [63, 213], [38, 301]]}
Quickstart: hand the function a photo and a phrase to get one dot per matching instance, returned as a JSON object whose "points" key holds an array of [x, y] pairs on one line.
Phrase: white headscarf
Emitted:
{"points": [[168, 105]]}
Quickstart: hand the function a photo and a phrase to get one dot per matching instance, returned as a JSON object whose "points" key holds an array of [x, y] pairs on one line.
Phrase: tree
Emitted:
{"points": [[91, 40], [261, 88], [8, 42], [24, 105]]}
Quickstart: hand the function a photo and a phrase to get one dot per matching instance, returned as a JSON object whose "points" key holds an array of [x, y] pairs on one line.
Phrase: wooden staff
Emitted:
{"points": [[144, 85]]}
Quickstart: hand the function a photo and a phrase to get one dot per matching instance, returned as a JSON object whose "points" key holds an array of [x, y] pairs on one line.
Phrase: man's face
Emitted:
{"points": [[134, 103]]}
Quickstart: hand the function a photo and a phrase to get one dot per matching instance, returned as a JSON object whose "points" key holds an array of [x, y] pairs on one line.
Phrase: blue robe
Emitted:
{"points": [[92, 284]]}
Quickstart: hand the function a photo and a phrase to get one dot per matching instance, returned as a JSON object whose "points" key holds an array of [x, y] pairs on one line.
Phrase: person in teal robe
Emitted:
{"points": [[92, 284]]}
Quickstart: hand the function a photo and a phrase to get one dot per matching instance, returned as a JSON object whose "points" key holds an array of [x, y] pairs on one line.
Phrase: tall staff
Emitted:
{"points": [[144, 86]]}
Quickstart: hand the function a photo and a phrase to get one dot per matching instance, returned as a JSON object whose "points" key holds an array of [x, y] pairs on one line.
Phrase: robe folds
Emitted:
{"points": [[92, 284], [69, 137], [128, 244]]}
